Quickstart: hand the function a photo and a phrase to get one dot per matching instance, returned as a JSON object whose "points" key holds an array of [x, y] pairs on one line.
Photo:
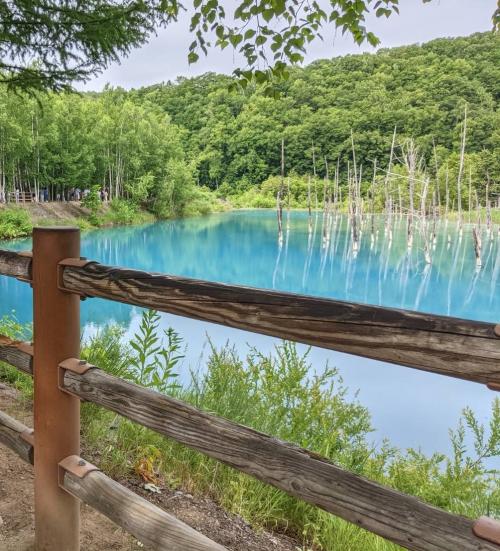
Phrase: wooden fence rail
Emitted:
{"points": [[148, 523], [15, 264], [16, 353], [403, 519], [17, 437], [454, 347]]}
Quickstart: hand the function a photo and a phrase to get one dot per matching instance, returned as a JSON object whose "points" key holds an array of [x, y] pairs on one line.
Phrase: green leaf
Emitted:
{"points": [[235, 39], [268, 15], [219, 31]]}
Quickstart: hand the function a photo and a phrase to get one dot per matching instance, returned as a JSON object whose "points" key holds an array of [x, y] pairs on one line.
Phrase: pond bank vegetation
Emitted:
{"points": [[278, 394]]}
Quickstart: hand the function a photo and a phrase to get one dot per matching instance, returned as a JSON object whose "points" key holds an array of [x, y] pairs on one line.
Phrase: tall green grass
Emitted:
{"points": [[281, 395]]}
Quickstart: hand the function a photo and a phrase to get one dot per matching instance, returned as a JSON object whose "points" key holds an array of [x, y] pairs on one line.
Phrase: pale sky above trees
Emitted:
{"points": [[165, 57]]}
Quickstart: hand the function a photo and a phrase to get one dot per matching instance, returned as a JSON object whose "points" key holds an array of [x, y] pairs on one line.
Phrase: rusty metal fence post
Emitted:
{"points": [[56, 331]]}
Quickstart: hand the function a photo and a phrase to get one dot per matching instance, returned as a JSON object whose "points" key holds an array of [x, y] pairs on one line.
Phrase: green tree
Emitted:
{"points": [[50, 44]]}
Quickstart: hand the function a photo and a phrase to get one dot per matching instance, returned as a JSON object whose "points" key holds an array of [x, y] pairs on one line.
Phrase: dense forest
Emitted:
{"points": [[153, 145], [62, 142], [421, 90]]}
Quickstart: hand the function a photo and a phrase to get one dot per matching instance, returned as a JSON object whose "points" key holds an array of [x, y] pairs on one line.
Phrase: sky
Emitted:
{"points": [[164, 58]]}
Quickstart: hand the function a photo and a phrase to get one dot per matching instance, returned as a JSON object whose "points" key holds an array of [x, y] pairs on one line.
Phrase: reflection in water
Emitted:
{"points": [[410, 407]]}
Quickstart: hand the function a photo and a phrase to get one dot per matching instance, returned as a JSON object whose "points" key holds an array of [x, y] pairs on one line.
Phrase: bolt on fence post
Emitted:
{"points": [[56, 316]]}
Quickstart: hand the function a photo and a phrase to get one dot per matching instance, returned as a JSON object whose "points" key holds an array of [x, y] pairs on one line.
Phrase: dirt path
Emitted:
{"points": [[62, 212], [100, 534]]}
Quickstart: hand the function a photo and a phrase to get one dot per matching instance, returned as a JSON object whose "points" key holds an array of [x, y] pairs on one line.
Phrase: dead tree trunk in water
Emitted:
{"points": [[310, 228], [460, 173], [489, 229], [326, 201], [476, 234], [388, 207], [410, 156], [279, 206], [279, 212], [372, 204], [423, 223]]}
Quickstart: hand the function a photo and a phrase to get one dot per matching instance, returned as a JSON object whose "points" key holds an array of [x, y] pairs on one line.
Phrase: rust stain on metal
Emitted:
{"points": [[487, 529], [76, 365], [77, 466], [79, 262]]}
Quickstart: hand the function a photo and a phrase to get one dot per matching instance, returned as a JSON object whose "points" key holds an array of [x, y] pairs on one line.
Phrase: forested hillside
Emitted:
{"points": [[235, 138], [154, 144]]}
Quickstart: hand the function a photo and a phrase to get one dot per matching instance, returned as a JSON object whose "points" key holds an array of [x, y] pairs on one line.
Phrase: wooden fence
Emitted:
{"points": [[454, 347]]}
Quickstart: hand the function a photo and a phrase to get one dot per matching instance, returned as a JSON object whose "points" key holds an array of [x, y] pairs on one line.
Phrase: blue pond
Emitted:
{"points": [[411, 408]]}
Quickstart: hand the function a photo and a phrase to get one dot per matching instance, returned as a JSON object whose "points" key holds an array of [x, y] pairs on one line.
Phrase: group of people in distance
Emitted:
{"points": [[43, 196]]}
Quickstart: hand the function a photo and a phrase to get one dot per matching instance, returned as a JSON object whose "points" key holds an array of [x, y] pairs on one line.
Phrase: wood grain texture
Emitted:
{"points": [[15, 265], [11, 354], [10, 436], [397, 517], [148, 523], [455, 347]]}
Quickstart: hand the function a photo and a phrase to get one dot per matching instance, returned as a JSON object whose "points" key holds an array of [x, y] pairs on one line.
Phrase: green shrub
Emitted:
{"points": [[92, 201], [14, 222], [178, 195], [122, 212]]}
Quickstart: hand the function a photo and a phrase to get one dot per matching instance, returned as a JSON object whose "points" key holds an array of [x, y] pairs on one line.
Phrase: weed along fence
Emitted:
{"points": [[60, 278]]}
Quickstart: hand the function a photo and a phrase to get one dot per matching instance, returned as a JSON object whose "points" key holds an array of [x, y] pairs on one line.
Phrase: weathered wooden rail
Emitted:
{"points": [[145, 521], [17, 437], [453, 347]]}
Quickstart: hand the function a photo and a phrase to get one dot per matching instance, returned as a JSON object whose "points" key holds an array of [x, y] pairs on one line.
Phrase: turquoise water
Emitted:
{"points": [[412, 408]]}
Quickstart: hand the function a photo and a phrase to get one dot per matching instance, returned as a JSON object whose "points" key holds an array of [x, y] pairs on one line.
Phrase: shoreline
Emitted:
{"points": [[18, 219], [23, 217]]}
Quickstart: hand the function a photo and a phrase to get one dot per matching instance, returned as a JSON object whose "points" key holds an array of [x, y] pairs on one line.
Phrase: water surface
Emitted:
{"points": [[412, 408]]}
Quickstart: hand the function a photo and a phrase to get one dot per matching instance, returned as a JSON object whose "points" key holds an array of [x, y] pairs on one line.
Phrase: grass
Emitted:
{"points": [[18, 222], [277, 394], [14, 222]]}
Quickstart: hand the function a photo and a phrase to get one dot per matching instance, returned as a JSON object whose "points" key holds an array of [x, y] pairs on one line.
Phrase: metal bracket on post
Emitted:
{"points": [[73, 263], [76, 366], [487, 529], [29, 279], [75, 465], [26, 347]]}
